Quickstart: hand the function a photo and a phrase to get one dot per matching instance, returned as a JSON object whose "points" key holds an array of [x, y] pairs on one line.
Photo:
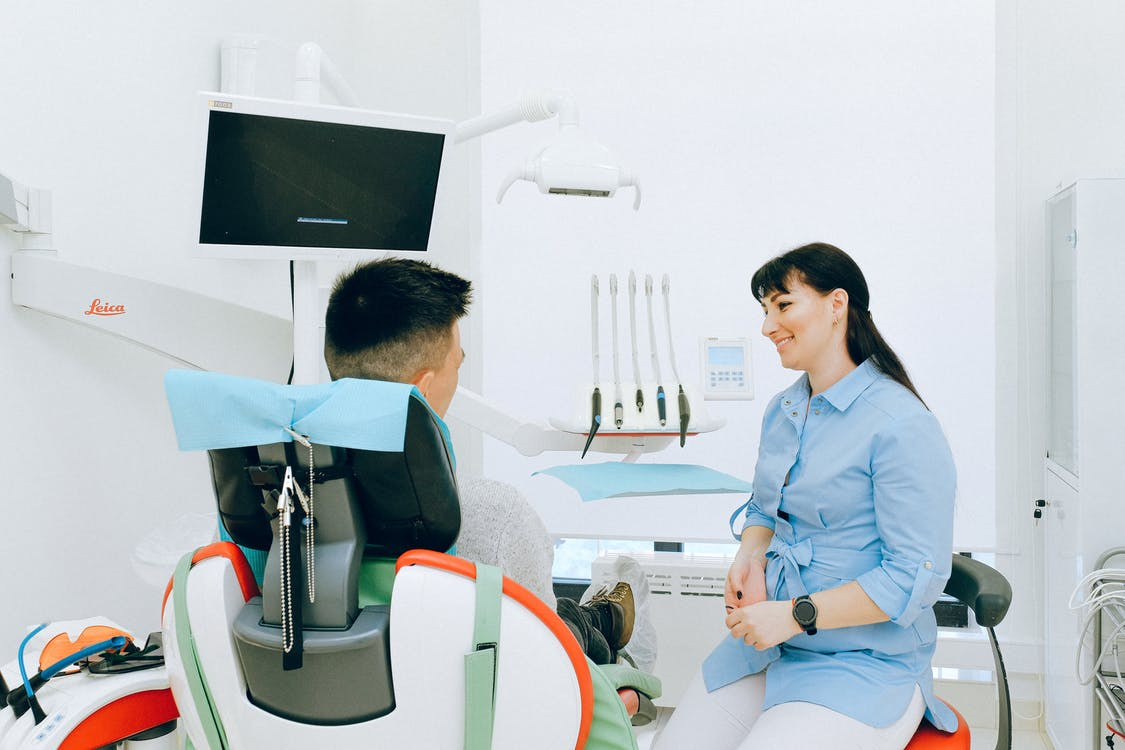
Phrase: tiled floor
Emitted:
{"points": [[983, 739]]}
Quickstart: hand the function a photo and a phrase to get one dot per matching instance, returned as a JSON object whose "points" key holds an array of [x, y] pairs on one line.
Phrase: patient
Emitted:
{"points": [[398, 320]]}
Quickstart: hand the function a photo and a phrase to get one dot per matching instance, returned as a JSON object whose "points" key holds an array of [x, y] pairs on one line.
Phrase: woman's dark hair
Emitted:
{"points": [[826, 268]]}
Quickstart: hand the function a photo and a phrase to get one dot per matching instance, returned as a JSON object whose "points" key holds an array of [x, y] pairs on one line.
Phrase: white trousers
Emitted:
{"points": [[731, 718]]}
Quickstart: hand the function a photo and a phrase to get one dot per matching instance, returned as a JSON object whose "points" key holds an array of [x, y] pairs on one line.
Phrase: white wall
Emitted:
{"points": [[1060, 116], [754, 127], [98, 107]]}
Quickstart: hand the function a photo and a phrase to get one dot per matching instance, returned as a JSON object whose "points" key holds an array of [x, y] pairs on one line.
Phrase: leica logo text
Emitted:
{"points": [[97, 307]]}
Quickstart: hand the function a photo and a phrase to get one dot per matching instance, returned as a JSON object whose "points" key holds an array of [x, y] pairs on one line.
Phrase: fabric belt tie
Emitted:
{"points": [[792, 556], [834, 561]]}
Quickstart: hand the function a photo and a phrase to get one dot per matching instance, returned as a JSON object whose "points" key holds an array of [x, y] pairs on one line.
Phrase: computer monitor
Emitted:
{"points": [[288, 180]]}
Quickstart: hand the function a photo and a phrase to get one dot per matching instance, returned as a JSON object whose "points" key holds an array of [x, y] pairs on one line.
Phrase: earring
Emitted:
{"points": [[835, 321]]}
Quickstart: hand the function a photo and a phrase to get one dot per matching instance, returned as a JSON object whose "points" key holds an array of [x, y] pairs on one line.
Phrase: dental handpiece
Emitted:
{"points": [[618, 409], [682, 399], [596, 399], [633, 337], [661, 408]]}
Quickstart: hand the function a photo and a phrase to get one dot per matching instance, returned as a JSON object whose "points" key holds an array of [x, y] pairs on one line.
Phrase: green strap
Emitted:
{"points": [[197, 682], [480, 665]]}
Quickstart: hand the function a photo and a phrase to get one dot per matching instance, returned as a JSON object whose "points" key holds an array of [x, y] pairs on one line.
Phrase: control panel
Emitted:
{"points": [[726, 369]]}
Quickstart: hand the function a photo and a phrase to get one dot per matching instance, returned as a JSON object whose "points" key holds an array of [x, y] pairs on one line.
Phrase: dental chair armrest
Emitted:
{"points": [[981, 588], [624, 676]]}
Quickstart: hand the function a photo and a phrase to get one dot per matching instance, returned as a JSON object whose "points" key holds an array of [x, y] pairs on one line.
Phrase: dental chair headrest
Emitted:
{"points": [[379, 442], [408, 498]]}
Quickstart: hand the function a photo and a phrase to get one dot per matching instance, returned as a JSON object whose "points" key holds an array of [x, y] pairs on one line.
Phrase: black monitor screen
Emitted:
{"points": [[299, 183]]}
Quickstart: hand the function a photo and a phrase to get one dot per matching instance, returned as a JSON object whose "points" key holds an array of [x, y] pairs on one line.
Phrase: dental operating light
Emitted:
{"points": [[574, 164]]}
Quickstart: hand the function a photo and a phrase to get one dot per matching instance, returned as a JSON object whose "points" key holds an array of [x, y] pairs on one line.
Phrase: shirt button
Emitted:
{"points": [[928, 565], [816, 411], [788, 402], [793, 413]]}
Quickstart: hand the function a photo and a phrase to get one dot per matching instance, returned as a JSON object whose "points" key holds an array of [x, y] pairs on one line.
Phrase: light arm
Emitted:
{"points": [[573, 164], [530, 108]]}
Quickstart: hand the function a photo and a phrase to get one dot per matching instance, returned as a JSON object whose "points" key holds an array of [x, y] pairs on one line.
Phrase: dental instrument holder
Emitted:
{"points": [[641, 432], [368, 504]]}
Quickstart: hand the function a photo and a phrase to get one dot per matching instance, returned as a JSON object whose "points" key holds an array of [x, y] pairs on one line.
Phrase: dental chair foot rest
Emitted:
{"points": [[624, 676]]}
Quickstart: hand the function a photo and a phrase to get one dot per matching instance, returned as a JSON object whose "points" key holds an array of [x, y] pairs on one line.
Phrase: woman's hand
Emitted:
{"points": [[746, 582], [763, 624]]}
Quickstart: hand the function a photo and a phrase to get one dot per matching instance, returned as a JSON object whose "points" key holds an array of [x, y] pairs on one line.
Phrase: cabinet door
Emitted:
{"points": [[1062, 433], [1069, 705]]}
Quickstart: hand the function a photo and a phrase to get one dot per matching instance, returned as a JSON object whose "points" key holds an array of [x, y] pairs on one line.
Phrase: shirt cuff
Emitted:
{"points": [[754, 518], [901, 604]]}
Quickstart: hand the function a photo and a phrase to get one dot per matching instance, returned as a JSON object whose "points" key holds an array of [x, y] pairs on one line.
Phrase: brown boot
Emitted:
{"points": [[615, 613]]}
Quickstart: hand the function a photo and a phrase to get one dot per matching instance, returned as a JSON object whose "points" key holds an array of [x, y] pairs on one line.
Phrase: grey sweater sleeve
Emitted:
{"points": [[499, 527]]}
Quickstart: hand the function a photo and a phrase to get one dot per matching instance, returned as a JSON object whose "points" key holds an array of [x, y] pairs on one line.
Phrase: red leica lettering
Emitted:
{"points": [[98, 308]]}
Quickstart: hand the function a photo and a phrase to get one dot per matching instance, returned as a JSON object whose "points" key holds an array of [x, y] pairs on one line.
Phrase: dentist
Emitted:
{"points": [[846, 540]]}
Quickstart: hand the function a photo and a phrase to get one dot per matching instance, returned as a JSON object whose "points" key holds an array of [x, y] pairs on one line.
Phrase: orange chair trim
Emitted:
{"points": [[929, 737], [230, 551], [536, 606], [122, 718]]}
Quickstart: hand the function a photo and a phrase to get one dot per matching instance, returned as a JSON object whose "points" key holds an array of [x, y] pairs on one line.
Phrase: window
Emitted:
{"points": [[573, 557]]}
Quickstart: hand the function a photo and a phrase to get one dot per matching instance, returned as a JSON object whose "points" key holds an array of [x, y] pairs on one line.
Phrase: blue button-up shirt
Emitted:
{"points": [[857, 485]]}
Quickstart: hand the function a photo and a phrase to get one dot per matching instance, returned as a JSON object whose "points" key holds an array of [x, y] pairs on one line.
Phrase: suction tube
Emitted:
{"points": [[596, 398], [20, 701], [29, 690], [633, 336], [618, 409], [682, 399], [661, 406]]}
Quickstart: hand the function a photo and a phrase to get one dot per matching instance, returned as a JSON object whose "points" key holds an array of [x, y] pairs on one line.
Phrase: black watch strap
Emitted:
{"points": [[804, 612]]}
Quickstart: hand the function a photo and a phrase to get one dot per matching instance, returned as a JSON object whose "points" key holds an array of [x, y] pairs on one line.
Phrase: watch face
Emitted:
{"points": [[804, 612]]}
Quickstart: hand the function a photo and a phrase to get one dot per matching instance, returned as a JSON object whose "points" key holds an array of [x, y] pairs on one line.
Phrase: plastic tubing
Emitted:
{"points": [[19, 656]]}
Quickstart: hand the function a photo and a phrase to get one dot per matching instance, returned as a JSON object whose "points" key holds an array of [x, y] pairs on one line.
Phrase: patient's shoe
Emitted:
{"points": [[614, 614], [641, 651]]}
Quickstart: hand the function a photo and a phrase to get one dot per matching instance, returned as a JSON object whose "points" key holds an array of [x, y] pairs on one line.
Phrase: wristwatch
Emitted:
{"points": [[804, 612]]}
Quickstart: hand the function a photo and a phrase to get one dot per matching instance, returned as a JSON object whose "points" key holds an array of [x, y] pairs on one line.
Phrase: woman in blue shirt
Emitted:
{"points": [[846, 541]]}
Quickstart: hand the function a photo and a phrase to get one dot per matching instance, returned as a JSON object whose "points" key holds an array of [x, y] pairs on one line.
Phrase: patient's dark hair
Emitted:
{"points": [[387, 319], [826, 268]]}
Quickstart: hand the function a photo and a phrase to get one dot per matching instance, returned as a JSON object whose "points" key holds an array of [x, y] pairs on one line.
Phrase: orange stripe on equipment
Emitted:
{"points": [[123, 718], [230, 551]]}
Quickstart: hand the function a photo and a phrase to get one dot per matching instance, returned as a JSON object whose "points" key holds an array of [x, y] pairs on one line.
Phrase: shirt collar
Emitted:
{"points": [[847, 389], [798, 391]]}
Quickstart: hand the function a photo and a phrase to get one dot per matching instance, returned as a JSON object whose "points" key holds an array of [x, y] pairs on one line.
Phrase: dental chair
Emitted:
{"points": [[400, 646], [988, 594]]}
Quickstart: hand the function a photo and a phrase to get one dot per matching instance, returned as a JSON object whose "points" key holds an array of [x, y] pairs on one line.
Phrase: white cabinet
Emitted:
{"points": [[1085, 466]]}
